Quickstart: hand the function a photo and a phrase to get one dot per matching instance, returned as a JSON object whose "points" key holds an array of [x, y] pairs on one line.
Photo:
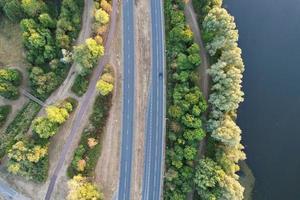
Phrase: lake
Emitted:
{"points": [[270, 115]]}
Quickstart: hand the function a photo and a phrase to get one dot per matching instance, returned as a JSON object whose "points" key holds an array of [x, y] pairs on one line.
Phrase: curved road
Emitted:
{"points": [[155, 126], [83, 105], [128, 101]]}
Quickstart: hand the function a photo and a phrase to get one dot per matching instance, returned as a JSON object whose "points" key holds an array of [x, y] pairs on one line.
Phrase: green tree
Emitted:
{"points": [[10, 75], [13, 9], [33, 7], [44, 127], [46, 20]]}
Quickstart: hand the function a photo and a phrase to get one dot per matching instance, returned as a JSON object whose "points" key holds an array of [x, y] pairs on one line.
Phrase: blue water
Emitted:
{"points": [[270, 115]]}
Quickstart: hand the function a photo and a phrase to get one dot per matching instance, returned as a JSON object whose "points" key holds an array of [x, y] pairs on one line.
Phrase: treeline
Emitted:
{"points": [[46, 37], [216, 176], [186, 103]]}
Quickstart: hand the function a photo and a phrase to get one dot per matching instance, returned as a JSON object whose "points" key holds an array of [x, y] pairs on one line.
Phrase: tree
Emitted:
{"points": [[42, 83], [227, 132], [13, 9], [8, 91], [106, 6], [87, 55], [208, 179], [105, 84], [33, 7], [46, 20], [80, 188], [101, 16], [44, 127], [104, 87], [57, 114], [10, 75], [220, 25]]}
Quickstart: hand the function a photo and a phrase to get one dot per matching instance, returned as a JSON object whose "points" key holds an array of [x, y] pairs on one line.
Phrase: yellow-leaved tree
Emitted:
{"points": [[81, 189]]}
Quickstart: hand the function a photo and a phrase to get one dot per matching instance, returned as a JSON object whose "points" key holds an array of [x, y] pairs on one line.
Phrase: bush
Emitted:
{"points": [[80, 85], [4, 112]]}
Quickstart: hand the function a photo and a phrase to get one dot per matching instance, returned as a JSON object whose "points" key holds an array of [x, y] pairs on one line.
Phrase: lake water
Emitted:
{"points": [[270, 115]]}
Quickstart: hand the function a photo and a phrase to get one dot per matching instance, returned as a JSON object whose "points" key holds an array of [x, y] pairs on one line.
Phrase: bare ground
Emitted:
{"points": [[107, 169], [142, 81]]}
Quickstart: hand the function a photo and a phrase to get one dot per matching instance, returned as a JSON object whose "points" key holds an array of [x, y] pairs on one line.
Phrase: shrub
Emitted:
{"points": [[80, 85]]}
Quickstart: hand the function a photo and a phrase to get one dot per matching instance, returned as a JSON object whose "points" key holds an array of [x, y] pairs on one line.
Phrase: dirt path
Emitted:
{"points": [[142, 74], [191, 19], [107, 169]]}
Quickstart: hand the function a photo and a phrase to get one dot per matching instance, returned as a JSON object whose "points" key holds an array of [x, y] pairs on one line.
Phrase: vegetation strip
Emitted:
{"points": [[186, 104]]}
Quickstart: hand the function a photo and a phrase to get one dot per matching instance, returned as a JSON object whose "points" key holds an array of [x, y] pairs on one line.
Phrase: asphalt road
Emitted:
{"points": [[83, 106], [128, 101], [155, 126]]}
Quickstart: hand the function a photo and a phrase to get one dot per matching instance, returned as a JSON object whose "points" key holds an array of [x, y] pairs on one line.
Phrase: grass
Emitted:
{"points": [[11, 51]]}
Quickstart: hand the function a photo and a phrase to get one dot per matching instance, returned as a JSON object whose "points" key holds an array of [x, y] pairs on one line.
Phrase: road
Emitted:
{"points": [[155, 126], [128, 101], [82, 107]]}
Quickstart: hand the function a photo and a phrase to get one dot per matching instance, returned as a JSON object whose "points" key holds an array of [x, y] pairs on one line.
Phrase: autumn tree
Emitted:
{"points": [[44, 127], [101, 16], [220, 27], [80, 188], [87, 55]]}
